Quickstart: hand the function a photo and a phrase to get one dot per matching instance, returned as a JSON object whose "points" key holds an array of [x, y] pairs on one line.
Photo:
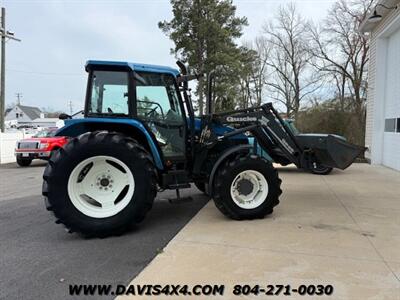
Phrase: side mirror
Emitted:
{"points": [[64, 116]]}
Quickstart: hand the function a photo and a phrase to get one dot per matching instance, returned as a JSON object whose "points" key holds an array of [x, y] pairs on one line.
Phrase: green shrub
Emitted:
{"points": [[330, 117]]}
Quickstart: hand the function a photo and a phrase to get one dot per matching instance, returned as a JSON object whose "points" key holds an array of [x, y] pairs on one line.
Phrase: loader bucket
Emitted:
{"points": [[331, 150]]}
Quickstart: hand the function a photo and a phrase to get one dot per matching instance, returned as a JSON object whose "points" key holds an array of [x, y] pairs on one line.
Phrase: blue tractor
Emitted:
{"points": [[139, 135]]}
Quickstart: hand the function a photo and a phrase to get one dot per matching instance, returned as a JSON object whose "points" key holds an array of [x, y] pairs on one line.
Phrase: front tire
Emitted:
{"points": [[100, 184], [247, 188], [24, 162]]}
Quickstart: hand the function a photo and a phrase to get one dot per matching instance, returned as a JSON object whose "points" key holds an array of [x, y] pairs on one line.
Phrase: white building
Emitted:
{"points": [[383, 102], [22, 115], [48, 122], [29, 115]]}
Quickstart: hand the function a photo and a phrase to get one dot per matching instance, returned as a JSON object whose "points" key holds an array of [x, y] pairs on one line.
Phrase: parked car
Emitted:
{"points": [[40, 146], [26, 126]]}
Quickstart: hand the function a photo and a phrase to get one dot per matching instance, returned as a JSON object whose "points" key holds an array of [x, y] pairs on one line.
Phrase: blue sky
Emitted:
{"points": [[58, 36]]}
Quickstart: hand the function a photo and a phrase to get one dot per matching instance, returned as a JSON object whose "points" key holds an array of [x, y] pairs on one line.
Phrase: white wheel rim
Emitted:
{"points": [[101, 186], [256, 195]]}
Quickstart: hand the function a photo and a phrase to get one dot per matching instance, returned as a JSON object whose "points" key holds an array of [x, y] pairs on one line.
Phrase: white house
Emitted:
{"points": [[383, 102], [29, 115], [21, 114]]}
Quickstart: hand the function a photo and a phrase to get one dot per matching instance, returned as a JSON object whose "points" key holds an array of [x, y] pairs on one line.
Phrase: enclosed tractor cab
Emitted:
{"points": [[139, 135]]}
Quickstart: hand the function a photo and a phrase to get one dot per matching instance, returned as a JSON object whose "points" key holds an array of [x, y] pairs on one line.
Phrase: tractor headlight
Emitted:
{"points": [[43, 145]]}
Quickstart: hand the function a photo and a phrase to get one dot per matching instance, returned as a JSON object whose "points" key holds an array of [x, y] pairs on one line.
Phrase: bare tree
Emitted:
{"points": [[291, 79], [259, 70], [342, 51], [252, 79]]}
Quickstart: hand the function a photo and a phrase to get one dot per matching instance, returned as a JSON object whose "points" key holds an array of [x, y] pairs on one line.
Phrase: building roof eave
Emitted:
{"points": [[367, 26]]}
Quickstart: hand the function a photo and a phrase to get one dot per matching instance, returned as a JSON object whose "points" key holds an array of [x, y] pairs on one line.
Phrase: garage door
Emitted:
{"points": [[391, 136]]}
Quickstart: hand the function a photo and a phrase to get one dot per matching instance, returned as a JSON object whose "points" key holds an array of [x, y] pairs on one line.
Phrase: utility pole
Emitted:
{"points": [[4, 35], [19, 96], [70, 107]]}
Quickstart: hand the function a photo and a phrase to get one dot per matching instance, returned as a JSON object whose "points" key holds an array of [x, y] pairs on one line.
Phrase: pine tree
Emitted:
{"points": [[204, 33]]}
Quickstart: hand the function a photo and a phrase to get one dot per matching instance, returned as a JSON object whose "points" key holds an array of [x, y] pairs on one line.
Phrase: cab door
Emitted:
{"points": [[159, 107]]}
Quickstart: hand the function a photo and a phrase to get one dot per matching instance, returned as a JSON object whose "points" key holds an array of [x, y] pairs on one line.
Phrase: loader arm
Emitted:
{"points": [[277, 139], [268, 128]]}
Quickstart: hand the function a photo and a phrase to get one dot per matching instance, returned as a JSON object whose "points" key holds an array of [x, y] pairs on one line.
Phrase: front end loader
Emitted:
{"points": [[318, 153]]}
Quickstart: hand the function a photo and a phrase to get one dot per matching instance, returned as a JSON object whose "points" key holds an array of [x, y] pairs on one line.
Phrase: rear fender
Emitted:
{"points": [[130, 127]]}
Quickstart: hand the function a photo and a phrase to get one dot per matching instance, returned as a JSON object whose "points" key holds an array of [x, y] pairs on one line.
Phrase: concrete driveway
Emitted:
{"points": [[341, 229], [38, 259]]}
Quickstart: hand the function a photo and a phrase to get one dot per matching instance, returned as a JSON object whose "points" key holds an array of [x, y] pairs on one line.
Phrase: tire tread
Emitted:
{"points": [[101, 137], [220, 203]]}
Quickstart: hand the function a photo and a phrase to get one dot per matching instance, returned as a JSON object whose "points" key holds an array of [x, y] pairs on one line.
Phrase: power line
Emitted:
{"points": [[44, 73]]}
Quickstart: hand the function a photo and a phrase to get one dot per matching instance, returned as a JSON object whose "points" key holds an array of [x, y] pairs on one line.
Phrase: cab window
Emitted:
{"points": [[109, 94], [157, 99], [158, 106]]}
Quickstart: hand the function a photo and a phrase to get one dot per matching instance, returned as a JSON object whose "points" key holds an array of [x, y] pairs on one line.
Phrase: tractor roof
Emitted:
{"points": [[133, 66]]}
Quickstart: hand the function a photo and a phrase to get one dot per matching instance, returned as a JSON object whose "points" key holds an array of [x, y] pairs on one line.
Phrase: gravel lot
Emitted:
{"points": [[38, 259]]}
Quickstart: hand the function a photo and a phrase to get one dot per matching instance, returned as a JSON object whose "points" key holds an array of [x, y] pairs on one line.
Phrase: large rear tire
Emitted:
{"points": [[247, 187], [100, 184]]}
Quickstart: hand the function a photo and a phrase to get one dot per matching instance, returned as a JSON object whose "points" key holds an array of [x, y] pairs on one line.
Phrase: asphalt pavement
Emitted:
{"points": [[39, 259]]}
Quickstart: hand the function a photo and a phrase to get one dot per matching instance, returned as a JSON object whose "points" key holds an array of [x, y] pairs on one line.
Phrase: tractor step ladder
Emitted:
{"points": [[180, 199]]}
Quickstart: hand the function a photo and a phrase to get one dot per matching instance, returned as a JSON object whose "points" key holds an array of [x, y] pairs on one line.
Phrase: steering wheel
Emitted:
{"points": [[152, 113]]}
